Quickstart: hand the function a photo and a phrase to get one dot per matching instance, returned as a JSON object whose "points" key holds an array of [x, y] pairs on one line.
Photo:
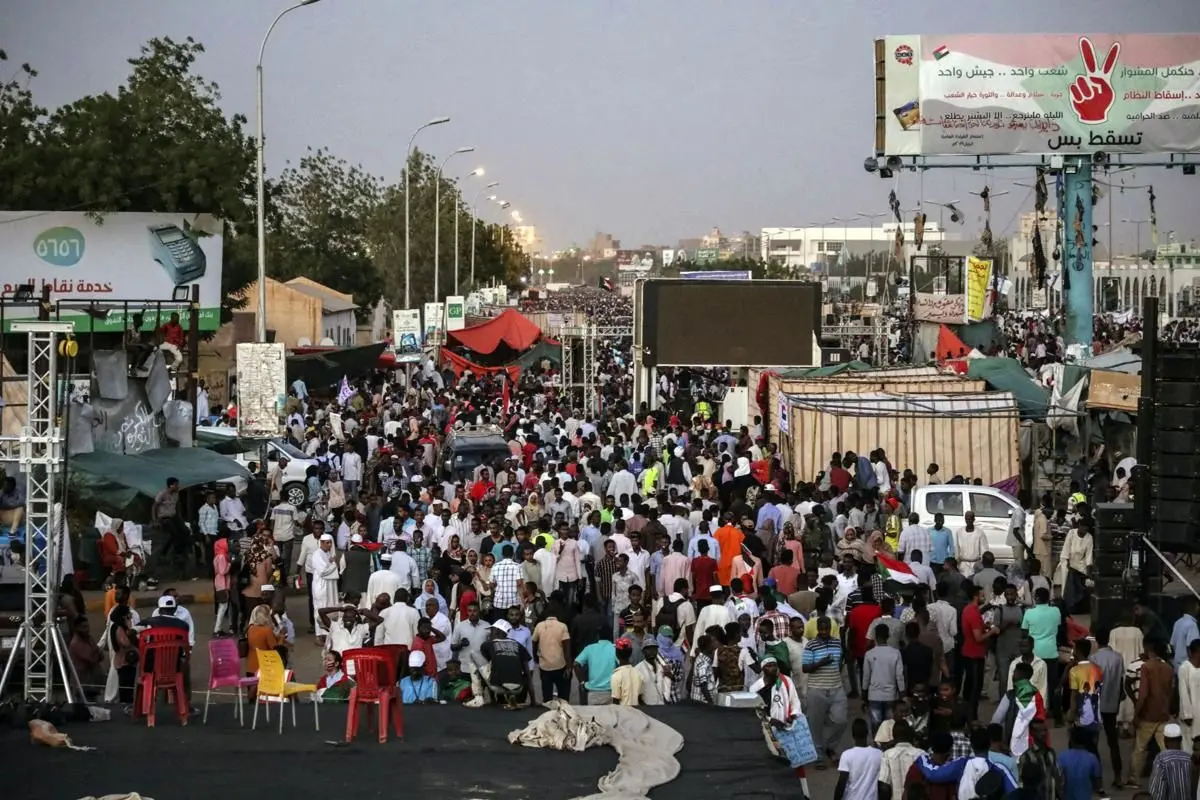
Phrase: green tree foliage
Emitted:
{"points": [[160, 143]]}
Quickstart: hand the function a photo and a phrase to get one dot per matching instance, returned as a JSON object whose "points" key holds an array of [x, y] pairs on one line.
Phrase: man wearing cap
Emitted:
{"points": [[382, 581], [625, 685], [656, 674], [417, 686], [508, 676], [1170, 777], [166, 616], [323, 566]]}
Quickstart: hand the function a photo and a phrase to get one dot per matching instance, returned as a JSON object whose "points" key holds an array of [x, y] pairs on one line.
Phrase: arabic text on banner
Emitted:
{"points": [[979, 281], [1040, 93]]}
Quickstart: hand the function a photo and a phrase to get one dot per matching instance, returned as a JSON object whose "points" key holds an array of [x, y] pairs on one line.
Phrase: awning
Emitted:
{"points": [[461, 365], [319, 367], [209, 439], [147, 473], [1007, 375], [543, 350], [511, 328]]}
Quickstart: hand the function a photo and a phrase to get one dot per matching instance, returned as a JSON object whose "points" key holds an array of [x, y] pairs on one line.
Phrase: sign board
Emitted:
{"points": [[950, 309], [707, 255], [434, 326], [979, 284], [872, 289], [785, 409], [555, 322], [668, 257], [635, 260], [406, 330], [455, 313], [832, 356], [1002, 94], [261, 388], [717, 275], [1039, 299], [121, 256]]}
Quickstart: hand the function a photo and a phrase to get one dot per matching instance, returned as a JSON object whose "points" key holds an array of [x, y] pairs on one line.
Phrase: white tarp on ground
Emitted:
{"points": [[645, 747]]}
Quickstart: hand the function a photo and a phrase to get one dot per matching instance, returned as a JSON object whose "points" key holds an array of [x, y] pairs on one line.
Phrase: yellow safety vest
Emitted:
{"points": [[649, 480]]}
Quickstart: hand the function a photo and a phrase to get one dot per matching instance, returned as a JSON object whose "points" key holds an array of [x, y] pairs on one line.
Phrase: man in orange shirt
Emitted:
{"points": [[729, 539]]}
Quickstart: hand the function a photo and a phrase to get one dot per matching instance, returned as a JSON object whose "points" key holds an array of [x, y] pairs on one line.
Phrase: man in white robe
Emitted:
{"points": [[382, 581], [1189, 693], [323, 565]]}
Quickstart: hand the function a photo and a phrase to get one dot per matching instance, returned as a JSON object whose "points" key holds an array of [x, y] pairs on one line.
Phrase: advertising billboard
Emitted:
{"points": [[434, 324], [456, 318], [635, 260], [979, 285], [117, 257], [717, 275], [406, 330], [997, 94]]}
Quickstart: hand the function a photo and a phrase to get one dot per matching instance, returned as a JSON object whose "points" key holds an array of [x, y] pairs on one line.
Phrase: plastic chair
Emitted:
{"points": [[226, 670], [275, 686], [374, 685], [167, 646], [398, 654]]}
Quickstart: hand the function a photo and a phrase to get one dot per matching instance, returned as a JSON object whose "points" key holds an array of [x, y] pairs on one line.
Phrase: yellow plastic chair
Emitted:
{"points": [[275, 686]]}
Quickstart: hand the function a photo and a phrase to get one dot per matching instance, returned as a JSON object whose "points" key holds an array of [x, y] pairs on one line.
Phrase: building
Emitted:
{"points": [[527, 237], [603, 245], [817, 246], [303, 312]]}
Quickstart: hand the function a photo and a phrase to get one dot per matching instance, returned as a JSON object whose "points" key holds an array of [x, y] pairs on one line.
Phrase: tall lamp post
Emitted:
{"points": [[475, 218], [870, 218], [475, 173], [437, 217], [261, 316], [408, 203]]}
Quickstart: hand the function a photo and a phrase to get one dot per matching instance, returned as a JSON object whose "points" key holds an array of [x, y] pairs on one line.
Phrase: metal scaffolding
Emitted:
{"points": [[39, 452], [849, 336], [589, 337]]}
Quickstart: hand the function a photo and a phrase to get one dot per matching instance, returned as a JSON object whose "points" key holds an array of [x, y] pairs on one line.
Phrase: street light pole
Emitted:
{"points": [[408, 202], [260, 178], [457, 250], [437, 217], [474, 219]]}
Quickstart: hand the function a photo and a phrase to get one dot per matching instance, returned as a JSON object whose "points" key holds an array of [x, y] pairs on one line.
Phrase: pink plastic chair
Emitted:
{"points": [[226, 671]]}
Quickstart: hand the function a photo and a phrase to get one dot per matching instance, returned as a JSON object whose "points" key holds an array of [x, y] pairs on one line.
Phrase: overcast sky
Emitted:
{"points": [[650, 119]]}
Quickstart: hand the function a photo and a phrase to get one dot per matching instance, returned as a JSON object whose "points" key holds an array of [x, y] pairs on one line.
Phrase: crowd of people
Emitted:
{"points": [[645, 557]]}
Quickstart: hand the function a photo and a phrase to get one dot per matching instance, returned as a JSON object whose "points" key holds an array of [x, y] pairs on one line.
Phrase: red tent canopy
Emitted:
{"points": [[951, 350], [461, 365], [510, 328]]}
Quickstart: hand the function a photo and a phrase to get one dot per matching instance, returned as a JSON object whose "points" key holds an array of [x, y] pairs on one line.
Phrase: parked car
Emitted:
{"points": [[294, 476], [998, 513], [468, 447]]}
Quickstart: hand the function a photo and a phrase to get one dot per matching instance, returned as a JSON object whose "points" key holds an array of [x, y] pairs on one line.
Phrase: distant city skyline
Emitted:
{"points": [[619, 117]]}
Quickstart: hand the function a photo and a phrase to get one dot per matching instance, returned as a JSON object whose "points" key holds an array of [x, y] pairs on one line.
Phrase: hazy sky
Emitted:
{"points": [[649, 119]]}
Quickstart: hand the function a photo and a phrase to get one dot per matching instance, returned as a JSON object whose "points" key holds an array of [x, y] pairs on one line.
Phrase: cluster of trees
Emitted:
{"points": [[162, 143]]}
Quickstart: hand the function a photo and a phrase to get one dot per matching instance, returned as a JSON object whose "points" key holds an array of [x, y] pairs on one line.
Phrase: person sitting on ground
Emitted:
{"points": [[417, 687], [508, 678]]}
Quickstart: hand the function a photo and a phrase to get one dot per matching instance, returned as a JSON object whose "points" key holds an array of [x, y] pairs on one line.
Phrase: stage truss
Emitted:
{"points": [[583, 392]]}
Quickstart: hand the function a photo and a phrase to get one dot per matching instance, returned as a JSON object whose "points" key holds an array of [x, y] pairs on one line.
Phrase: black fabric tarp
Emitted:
{"points": [[449, 752], [542, 350], [113, 480], [327, 368]]}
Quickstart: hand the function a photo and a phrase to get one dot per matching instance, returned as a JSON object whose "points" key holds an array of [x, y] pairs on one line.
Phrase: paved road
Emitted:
{"points": [[307, 663]]}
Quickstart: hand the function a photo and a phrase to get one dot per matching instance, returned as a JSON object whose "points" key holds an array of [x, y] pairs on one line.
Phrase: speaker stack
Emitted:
{"points": [[1111, 549], [1174, 474]]}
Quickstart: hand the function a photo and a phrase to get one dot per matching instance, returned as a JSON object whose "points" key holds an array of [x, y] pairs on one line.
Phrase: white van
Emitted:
{"points": [[295, 475], [997, 513]]}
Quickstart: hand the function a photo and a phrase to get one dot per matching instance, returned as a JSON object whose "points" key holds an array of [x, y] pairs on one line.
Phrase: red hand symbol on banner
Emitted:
{"points": [[1092, 94]]}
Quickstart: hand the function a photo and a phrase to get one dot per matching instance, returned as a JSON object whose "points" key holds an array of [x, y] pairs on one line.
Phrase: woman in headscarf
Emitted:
{"points": [[877, 543], [260, 635], [533, 507], [121, 639], [850, 543], [452, 558], [429, 591], [260, 561], [483, 583]]}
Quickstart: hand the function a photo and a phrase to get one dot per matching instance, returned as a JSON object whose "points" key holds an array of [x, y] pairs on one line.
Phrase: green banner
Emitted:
{"points": [[115, 321]]}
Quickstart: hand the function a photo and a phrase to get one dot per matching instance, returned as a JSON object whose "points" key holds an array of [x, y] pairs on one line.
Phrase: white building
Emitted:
{"points": [[815, 246]]}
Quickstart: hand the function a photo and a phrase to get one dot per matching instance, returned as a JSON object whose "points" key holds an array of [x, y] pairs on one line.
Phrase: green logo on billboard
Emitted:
{"points": [[454, 311], [59, 247]]}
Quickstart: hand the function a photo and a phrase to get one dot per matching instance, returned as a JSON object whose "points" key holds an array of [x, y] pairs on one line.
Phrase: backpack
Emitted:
{"points": [[669, 615]]}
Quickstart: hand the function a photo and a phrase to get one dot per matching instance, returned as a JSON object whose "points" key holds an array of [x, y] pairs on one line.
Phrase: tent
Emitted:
{"points": [[461, 365], [320, 367], [113, 480], [511, 329], [1007, 375]]}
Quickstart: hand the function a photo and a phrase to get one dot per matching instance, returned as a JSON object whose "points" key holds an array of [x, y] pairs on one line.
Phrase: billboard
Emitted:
{"points": [[979, 285], [121, 256], [261, 389], [635, 260], [717, 275], [673, 323], [434, 324], [997, 94], [668, 257], [406, 330], [455, 313]]}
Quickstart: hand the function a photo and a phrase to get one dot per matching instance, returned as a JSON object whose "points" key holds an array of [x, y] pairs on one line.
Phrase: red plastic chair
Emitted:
{"points": [[397, 653], [374, 685], [225, 671], [167, 646]]}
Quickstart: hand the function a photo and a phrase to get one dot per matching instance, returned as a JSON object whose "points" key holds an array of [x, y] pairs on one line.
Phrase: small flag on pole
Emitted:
{"points": [[504, 397], [345, 392], [941, 52]]}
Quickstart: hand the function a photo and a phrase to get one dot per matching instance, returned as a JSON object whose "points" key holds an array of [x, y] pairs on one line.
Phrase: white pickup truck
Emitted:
{"points": [[998, 513]]}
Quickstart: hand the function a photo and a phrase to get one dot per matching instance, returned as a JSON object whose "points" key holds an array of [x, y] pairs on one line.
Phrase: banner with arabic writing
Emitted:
{"points": [[979, 284], [1039, 93], [949, 309]]}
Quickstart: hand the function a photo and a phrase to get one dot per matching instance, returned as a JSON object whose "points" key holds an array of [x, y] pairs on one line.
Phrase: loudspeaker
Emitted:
{"points": [[1107, 541], [1173, 465], [1162, 510], [1175, 418], [1177, 394], [1169, 607], [1184, 490], [1175, 537], [1109, 587], [1181, 365], [1114, 516], [1185, 443], [1110, 563]]}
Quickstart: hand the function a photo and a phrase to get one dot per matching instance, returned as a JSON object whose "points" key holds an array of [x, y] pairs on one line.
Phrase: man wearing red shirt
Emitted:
{"points": [[704, 574], [975, 636], [481, 487], [173, 333], [527, 451], [858, 626], [839, 477]]}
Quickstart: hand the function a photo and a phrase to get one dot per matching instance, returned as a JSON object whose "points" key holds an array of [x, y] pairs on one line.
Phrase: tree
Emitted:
{"points": [[160, 144], [321, 229]]}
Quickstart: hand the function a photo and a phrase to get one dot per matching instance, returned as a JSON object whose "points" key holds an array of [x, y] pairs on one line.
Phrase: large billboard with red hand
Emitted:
{"points": [[976, 95]]}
